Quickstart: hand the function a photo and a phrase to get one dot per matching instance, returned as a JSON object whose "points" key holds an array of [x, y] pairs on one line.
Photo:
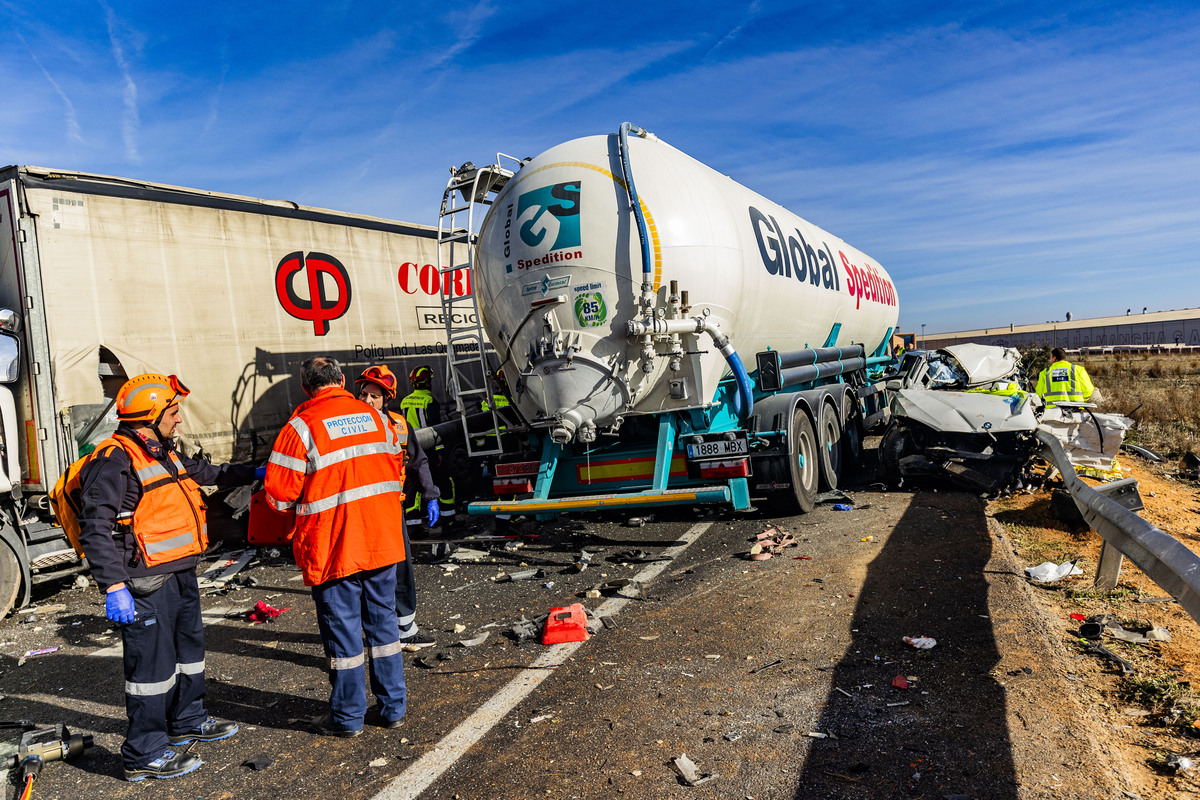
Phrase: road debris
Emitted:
{"points": [[921, 642], [690, 774], [769, 543], [263, 612], [566, 624], [218, 575], [774, 663], [1048, 571], [521, 575], [1126, 667], [474, 642], [900, 682], [258, 763], [639, 522]]}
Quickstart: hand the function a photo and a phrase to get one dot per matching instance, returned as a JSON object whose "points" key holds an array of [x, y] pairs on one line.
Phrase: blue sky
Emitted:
{"points": [[1005, 162]]}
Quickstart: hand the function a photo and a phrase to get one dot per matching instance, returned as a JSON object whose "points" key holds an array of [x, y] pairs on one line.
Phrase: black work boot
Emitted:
{"points": [[169, 765], [210, 730]]}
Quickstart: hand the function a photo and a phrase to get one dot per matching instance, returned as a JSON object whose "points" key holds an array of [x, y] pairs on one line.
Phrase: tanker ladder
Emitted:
{"points": [[469, 189]]}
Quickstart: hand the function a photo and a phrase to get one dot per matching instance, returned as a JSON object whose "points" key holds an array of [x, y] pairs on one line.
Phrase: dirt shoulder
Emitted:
{"points": [[1138, 721]]}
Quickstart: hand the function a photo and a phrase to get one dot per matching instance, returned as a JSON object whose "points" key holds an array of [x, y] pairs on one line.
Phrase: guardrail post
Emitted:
{"points": [[1109, 571]]}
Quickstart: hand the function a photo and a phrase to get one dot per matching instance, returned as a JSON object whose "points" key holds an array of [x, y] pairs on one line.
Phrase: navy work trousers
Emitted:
{"points": [[346, 607], [406, 590], [164, 669]]}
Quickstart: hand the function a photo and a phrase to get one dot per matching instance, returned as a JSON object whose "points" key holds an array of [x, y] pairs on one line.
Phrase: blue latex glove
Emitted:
{"points": [[118, 606], [432, 513], [260, 473]]}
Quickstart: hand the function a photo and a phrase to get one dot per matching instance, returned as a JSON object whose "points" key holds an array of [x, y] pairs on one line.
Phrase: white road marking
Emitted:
{"points": [[429, 767]]}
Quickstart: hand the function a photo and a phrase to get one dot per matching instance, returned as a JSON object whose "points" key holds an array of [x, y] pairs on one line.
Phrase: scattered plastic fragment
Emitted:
{"points": [[690, 774], [567, 624], [867, 539], [1048, 571], [774, 663], [42, 652], [258, 763], [732, 737], [638, 522], [1078, 617], [263, 612], [817, 735], [1178, 763], [521, 575], [786, 727], [921, 642], [379, 762], [900, 682], [475, 641], [843, 507]]}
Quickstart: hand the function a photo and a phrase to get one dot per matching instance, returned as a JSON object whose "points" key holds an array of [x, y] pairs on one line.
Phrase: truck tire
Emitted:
{"points": [[897, 442], [803, 462], [10, 579], [852, 437], [829, 426]]}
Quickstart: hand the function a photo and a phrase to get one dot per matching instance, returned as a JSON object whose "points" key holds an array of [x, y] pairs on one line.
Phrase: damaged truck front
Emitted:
{"points": [[961, 412], [105, 278]]}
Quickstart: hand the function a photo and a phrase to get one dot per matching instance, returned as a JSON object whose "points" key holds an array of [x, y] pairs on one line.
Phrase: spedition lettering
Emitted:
{"points": [[549, 258], [792, 256]]}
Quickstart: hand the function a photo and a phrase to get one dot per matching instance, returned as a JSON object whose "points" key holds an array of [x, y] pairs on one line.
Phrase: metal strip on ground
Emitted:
{"points": [[429, 767]]}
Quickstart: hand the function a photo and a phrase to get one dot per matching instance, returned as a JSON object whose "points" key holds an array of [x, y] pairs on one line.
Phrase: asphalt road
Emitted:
{"points": [[775, 677]]}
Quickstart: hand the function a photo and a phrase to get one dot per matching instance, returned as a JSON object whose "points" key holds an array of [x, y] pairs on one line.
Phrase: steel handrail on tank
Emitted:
{"points": [[743, 403], [1162, 557]]}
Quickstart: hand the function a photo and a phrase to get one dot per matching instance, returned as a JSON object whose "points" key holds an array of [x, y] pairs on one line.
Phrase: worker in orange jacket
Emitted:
{"points": [[336, 462], [142, 525], [376, 388]]}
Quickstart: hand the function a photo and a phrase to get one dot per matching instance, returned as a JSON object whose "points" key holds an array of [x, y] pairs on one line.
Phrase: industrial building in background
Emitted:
{"points": [[1158, 329]]}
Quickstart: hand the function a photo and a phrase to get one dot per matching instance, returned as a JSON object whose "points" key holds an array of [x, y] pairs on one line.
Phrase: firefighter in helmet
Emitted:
{"points": [[422, 410]]}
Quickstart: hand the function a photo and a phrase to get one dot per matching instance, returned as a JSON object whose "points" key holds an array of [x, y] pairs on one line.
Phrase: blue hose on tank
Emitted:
{"points": [[627, 173]]}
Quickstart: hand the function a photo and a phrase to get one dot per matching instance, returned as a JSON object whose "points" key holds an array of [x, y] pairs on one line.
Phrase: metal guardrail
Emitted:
{"points": [[1163, 558]]}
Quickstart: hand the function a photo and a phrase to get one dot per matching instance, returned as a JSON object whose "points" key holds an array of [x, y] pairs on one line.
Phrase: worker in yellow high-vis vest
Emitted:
{"points": [[1064, 382]]}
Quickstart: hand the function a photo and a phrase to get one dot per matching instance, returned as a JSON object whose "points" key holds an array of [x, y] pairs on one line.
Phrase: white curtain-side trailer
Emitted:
{"points": [[107, 278]]}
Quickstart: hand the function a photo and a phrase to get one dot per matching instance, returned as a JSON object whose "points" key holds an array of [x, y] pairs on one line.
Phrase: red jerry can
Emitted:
{"points": [[566, 625], [268, 526]]}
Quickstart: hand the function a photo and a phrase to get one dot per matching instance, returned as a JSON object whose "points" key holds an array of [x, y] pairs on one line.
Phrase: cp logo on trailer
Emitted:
{"points": [[321, 273]]}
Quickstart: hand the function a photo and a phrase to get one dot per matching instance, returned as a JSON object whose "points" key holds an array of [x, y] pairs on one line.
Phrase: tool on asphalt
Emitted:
{"points": [[36, 746], [566, 625]]}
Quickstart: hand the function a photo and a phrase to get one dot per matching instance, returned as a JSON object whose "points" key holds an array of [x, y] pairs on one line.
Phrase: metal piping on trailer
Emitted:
{"points": [[778, 370], [743, 403], [826, 369]]}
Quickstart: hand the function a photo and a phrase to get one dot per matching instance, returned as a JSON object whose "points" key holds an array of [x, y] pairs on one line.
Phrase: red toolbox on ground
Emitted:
{"points": [[268, 526], [566, 625]]}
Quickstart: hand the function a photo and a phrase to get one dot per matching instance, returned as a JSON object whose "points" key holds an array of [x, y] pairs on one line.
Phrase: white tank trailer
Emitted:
{"points": [[620, 279]]}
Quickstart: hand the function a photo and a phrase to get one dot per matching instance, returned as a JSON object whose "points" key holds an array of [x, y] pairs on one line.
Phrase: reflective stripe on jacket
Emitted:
{"points": [[337, 463], [169, 522], [400, 429], [1064, 382], [416, 406]]}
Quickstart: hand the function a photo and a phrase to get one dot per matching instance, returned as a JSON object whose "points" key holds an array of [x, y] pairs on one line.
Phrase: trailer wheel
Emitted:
{"points": [[10, 579], [852, 437], [897, 442], [829, 426], [802, 462]]}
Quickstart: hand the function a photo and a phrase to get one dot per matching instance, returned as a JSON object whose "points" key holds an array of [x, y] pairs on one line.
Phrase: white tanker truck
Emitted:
{"points": [[664, 334]]}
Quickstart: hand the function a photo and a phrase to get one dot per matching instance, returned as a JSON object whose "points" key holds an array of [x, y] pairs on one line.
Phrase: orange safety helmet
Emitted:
{"points": [[146, 397], [421, 376], [382, 376]]}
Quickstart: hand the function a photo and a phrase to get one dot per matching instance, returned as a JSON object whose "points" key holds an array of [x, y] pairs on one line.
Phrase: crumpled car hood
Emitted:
{"points": [[985, 363], [965, 412]]}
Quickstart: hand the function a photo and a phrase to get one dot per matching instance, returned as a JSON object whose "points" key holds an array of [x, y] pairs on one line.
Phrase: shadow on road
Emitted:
{"points": [[947, 733]]}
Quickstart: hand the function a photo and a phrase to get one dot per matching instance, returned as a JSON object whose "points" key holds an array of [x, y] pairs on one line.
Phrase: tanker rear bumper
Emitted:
{"points": [[736, 492]]}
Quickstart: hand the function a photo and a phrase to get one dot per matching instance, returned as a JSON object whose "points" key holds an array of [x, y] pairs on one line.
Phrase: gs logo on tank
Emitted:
{"points": [[550, 212]]}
